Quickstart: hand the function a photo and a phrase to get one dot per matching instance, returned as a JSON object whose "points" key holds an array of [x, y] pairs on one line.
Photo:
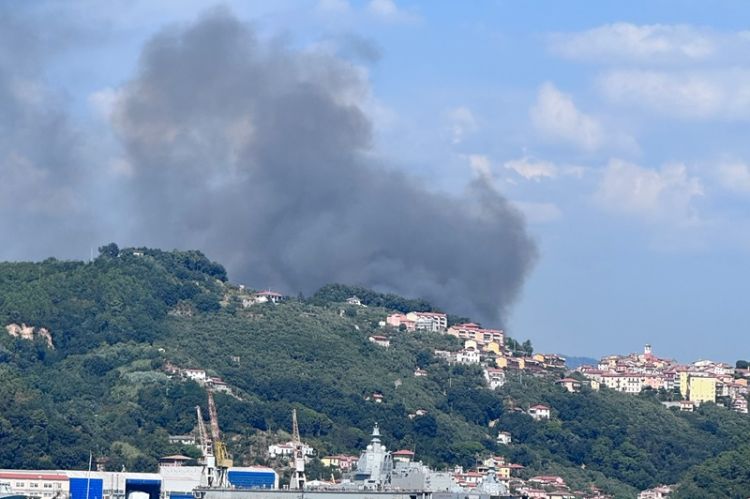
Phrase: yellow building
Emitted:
{"points": [[702, 389], [502, 362], [493, 347], [503, 472]]}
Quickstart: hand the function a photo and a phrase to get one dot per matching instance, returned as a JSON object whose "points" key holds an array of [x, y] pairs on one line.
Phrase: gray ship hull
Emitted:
{"points": [[334, 494]]}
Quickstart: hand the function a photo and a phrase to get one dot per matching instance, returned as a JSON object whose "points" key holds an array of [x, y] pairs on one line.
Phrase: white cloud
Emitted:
{"points": [[734, 176], [532, 169], [103, 102], [526, 167], [625, 42], [556, 116], [387, 10], [664, 195], [462, 123], [716, 94], [481, 166], [539, 212]]}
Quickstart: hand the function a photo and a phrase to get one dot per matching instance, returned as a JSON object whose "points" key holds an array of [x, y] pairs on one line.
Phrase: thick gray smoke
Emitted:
{"points": [[42, 178], [260, 155]]}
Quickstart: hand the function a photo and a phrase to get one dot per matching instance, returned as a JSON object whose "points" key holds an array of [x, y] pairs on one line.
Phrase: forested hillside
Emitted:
{"points": [[118, 321]]}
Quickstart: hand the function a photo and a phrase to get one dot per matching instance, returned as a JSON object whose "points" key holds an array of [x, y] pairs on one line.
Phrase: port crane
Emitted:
{"points": [[209, 461], [298, 473], [216, 458]]}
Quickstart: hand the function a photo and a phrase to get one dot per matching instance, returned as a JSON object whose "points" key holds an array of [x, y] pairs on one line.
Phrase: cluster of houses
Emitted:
{"points": [[418, 321], [539, 487], [200, 376], [285, 451], [697, 383], [497, 361], [343, 462], [481, 346]]}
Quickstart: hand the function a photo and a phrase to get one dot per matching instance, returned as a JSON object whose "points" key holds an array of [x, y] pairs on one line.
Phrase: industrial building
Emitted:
{"points": [[172, 482]]}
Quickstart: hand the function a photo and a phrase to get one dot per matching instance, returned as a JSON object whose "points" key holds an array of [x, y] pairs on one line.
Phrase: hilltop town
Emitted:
{"points": [[684, 386]]}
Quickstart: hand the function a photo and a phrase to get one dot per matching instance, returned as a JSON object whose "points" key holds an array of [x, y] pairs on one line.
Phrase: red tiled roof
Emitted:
{"points": [[33, 476], [403, 452]]}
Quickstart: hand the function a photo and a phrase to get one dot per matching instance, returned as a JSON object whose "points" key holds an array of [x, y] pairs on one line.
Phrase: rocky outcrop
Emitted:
{"points": [[29, 333]]}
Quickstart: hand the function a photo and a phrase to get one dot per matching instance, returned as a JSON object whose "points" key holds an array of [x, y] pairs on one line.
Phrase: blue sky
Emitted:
{"points": [[618, 129]]}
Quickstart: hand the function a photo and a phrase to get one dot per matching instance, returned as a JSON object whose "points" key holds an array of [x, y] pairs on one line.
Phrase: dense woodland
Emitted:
{"points": [[117, 320]]}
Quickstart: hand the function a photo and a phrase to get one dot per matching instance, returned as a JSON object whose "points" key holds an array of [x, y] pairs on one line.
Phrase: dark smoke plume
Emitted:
{"points": [[42, 178], [260, 155]]}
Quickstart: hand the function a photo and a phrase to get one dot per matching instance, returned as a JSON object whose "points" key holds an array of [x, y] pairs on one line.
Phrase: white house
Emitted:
{"points": [[468, 356], [740, 405], [504, 438], [380, 341], [266, 296], [539, 412], [287, 450], [495, 377], [354, 300], [182, 439], [660, 492], [198, 375]]}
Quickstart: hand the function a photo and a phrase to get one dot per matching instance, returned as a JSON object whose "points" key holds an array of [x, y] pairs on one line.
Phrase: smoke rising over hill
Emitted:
{"points": [[260, 155]]}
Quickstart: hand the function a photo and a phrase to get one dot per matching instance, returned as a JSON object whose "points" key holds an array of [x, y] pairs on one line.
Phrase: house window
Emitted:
{"points": [[19, 484], [47, 485], [34, 485]]}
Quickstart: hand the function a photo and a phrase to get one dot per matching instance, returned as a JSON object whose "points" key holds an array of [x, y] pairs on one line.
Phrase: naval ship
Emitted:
{"points": [[377, 475]]}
